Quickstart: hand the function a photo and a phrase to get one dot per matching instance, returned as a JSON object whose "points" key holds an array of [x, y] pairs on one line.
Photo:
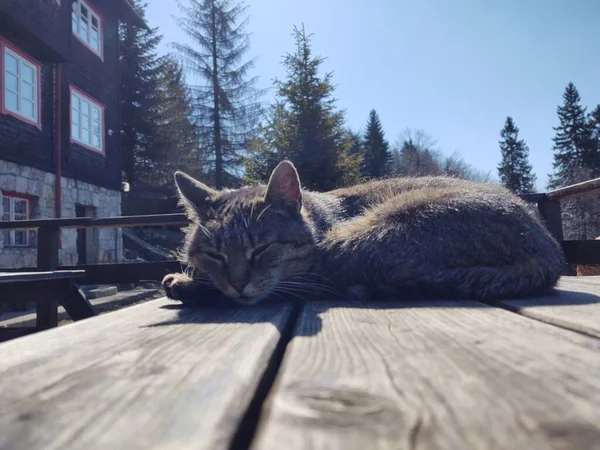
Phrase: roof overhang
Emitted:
{"points": [[131, 15]]}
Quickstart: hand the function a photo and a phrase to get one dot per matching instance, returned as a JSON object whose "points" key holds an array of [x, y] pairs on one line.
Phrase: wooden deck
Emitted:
{"points": [[438, 375]]}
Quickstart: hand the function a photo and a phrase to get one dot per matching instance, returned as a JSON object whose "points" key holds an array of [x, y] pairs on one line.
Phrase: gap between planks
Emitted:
{"points": [[574, 305], [459, 375], [147, 376]]}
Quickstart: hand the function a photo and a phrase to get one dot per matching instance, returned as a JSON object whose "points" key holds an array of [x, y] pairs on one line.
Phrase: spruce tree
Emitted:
{"points": [[574, 152], [226, 101], [140, 69], [377, 156], [177, 136], [305, 126], [514, 170]]}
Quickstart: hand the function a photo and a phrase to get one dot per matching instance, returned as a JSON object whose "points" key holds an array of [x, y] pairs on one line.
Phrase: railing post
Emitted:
{"points": [[47, 259], [551, 214]]}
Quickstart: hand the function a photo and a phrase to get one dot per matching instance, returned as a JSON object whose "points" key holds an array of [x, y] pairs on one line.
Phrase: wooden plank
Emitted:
{"points": [[126, 272], [121, 273], [432, 376], [104, 222], [582, 252], [148, 376], [40, 276], [574, 305], [584, 189]]}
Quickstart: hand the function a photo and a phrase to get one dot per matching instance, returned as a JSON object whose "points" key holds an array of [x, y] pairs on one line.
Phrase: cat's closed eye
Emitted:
{"points": [[257, 252]]}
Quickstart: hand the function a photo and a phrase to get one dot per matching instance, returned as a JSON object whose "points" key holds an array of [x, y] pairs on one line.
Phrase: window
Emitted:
{"points": [[16, 208], [87, 121], [21, 90], [87, 26]]}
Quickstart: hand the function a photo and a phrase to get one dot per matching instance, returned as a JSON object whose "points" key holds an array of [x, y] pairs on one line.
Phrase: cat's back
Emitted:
{"points": [[355, 198]]}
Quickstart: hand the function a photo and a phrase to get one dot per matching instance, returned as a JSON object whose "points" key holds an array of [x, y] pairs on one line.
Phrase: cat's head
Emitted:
{"points": [[248, 241]]}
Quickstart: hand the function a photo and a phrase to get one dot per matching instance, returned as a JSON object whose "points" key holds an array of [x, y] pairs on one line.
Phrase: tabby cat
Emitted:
{"points": [[425, 237]]}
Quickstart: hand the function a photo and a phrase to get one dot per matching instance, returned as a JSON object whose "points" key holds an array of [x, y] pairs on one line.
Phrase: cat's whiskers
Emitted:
{"points": [[309, 287], [287, 292]]}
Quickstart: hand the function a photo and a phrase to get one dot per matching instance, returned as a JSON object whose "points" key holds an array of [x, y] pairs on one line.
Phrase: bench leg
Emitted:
{"points": [[46, 314], [76, 303]]}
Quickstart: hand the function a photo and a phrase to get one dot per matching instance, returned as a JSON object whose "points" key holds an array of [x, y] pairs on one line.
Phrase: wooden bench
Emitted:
{"points": [[48, 290], [518, 374]]}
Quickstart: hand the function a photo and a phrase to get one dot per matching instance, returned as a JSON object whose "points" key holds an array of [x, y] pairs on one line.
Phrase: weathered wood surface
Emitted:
{"points": [[147, 376], [433, 376], [575, 305], [40, 276]]}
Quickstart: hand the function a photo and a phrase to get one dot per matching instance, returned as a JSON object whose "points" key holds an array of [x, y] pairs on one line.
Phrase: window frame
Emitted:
{"points": [[12, 196], [93, 102], [93, 12], [22, 58]]}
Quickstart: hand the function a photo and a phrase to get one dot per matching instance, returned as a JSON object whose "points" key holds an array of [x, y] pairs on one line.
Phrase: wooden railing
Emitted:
{"points": [[579, 252]]}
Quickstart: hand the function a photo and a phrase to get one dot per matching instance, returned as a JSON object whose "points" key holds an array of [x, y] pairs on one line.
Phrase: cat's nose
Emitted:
{"points": [[239, 285]]}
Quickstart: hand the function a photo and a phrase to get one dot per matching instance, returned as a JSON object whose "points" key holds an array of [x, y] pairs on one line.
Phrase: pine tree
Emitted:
{"points": [[594, 123], [305, 126], [376, 163], [226, 105], [140, 78], [575, 156], [514, 170], [177, 137]]}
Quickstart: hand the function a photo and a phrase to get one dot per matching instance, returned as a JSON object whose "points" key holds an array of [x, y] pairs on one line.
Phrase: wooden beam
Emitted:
{"points": [[582, 252], [154, 220], [590, 187], [40, 276], [438, 375], [552, 216], [126, 272], [147, 376]]}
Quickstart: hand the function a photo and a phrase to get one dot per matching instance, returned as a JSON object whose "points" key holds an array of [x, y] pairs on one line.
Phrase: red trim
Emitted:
{"points": [[102, 116], [4, 44], [27, 197], [100, 32], [29, 200]]}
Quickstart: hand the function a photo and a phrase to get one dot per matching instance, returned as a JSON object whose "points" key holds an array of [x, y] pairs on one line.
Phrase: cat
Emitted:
{"points": [[432, 237]]}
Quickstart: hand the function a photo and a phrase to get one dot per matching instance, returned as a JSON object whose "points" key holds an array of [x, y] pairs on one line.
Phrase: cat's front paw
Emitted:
{"points": [[174, 283], [358, 292]]}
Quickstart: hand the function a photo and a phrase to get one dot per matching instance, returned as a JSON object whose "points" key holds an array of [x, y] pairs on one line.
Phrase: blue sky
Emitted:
{"points": [[455, 69]]}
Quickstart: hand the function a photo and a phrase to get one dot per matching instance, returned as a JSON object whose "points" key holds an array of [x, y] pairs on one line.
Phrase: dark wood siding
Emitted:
{"points": [[41, 22], [21, 142], [97, 77], [100, 80]]}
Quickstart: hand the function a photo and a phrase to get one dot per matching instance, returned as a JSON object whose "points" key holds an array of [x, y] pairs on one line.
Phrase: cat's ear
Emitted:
{"points": [[283, 190], [196, 196]]}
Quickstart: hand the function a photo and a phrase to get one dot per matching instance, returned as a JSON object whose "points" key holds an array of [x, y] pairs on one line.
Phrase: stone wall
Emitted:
{"points": [[104, 245]]}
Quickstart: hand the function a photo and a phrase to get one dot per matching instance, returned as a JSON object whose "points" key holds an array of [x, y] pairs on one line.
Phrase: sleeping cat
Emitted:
{"points": [[427, 237]]}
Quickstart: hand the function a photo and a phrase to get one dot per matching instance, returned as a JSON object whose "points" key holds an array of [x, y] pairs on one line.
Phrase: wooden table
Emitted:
{"points": [[522, 374], [47, 290]]}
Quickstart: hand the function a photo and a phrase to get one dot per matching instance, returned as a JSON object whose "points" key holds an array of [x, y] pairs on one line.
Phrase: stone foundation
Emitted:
{"points": [[104, 245]]}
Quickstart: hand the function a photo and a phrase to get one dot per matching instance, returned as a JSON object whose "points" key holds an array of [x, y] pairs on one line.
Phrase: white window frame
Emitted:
{"points": [[22, 61], [11, 235], [82, 19], [79, 120]]}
